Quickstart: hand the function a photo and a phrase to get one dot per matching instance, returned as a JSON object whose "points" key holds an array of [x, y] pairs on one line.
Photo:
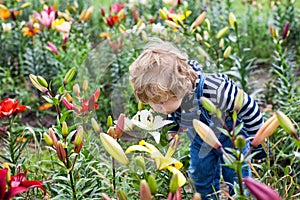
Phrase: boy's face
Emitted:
{"points": [[166, 107]]}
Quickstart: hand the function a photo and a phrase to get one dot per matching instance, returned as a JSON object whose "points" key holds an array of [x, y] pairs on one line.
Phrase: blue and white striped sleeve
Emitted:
{"points": [[223, 91]]}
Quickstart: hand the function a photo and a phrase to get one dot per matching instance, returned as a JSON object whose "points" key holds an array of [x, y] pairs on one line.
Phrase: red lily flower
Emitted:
{"points": [[86, 105], [10, 106], [18, 184]]}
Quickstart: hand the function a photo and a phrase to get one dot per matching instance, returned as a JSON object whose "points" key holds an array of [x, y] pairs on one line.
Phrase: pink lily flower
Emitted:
{"points": [[260, 191], [116, 7], [46, 16], [51, 47]]}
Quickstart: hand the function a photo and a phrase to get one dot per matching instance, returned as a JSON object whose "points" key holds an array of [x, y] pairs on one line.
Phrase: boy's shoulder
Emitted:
{"points": [[195, 65]]}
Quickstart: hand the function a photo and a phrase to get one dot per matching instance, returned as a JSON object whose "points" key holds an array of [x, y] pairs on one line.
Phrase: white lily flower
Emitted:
{"points": [[150, 123], [6, 27]]}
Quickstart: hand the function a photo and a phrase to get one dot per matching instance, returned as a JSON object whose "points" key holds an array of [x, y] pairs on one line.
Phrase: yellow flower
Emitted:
{"points": [[162, 162]]}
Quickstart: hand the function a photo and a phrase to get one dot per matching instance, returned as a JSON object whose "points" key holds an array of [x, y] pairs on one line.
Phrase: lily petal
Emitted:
{"points": [[156, 136], [181, 177], [3, 173], [137, 148]]}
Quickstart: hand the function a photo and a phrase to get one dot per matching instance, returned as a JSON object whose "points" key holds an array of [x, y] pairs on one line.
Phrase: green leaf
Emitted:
{"points": [[61, 89], [49, 100], [224, 131], [238, 128]]}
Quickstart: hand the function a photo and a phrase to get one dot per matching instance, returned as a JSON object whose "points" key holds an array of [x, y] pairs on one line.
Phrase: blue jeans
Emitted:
{"points": [[206, 166]]}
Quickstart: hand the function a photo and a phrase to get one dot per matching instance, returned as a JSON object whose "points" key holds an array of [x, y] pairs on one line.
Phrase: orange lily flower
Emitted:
{"points": [[4, 13], [30, 30]]}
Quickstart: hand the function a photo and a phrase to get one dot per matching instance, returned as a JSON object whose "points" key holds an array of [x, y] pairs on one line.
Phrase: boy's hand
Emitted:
{"points": [[171, 136]]}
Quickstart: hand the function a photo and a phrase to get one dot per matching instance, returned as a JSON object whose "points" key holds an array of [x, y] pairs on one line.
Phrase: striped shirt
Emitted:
{"points": [[222, 91]]}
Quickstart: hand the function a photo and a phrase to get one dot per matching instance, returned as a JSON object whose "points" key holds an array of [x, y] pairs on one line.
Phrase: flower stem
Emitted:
{"points": [[240, 179], [114, 173], [71, 175]]}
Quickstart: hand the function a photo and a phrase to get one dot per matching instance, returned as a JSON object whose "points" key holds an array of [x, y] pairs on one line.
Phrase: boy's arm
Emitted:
{"points": [[224, 97]]}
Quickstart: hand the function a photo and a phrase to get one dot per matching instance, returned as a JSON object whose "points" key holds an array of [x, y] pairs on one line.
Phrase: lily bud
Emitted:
{"points": [[152, 184], [52, 136], [271, 31], [172, 24], [232, 20], [227, 52], [111, 132], [140, 106], [48, 139], [61, 152], [88, 14], [222, 32], [265, 131], [36, 84], [240, 141], [8, 175], [85, 85], [285, 30], [121, 14], [198, 37], [76, 89], [82, 15], [122, 195], [145, 192], [102, 11], [109, 121], [71, 8], [95, 125], [259, 190], [219, 113], [286, 123], [139, 162], [178, 195], [96, 94], [239, 100], [173, 145], [120, 126], [198, 20], [207, 23], [3, 7], [79, 139], [69, 98], [91, 103], [162, 14], [196, 196], [207, 44], [64, 129], [42, 81], [208, 105], [69, 75], [174, 183], [25, 5], [221, 43], [206, 134], [67, 104], [113, 148]]}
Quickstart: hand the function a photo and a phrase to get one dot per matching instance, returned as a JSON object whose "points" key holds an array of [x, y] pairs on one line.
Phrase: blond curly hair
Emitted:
{"points": [[161, 73]]}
